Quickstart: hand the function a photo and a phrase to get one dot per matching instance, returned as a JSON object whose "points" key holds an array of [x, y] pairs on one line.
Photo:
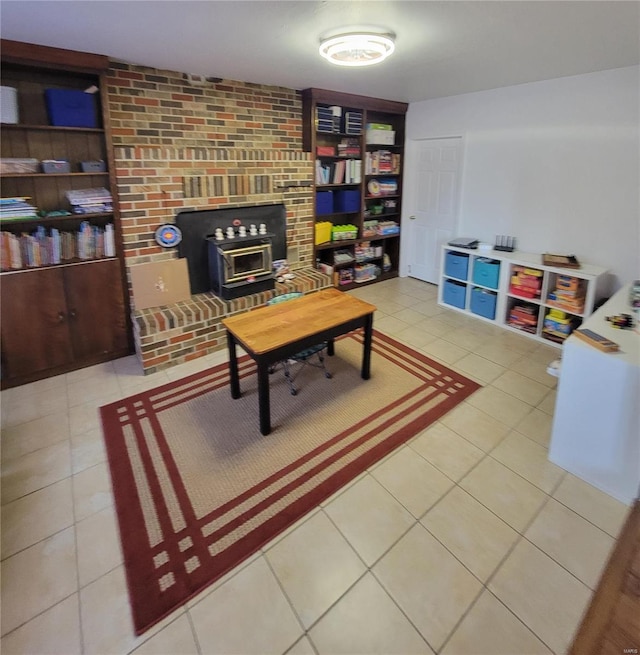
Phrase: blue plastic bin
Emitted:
{"points": [[486, 272], [483, 303], [347, 200], [456, 264], [324, 202], [71, 108], [454, 293]]}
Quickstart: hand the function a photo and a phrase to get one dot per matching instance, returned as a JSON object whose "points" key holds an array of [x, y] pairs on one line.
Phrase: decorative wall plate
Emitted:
{"points": [[168, 235], [374, 187]]}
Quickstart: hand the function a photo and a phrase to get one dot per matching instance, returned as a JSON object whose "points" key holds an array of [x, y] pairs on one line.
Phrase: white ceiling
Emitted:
{"points": [[442, 48]]}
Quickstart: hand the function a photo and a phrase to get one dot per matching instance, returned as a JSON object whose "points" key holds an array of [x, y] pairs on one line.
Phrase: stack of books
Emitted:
{"points": [[525, 282], [349, 148], [12, 209], [569, 294], [90, 201], [524, 317], [381, 162]]}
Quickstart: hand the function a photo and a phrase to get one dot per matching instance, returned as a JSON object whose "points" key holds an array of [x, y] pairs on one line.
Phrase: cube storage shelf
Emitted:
{"points": [[517, 292]]}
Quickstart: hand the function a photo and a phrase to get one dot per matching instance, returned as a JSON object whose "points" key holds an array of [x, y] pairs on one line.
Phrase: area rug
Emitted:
{"points": [[198, 489]]}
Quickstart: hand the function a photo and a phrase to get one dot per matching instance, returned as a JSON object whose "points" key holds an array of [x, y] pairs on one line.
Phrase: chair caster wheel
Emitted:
{"points": [[294, 392], [328, 376]]}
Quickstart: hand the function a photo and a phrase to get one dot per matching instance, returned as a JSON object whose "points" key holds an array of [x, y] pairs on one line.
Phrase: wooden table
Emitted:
{"points": [[274, 332]]}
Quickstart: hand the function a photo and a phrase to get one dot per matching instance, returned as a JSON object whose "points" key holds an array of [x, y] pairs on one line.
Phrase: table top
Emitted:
{"points": [[628, 339], [274, 326]]}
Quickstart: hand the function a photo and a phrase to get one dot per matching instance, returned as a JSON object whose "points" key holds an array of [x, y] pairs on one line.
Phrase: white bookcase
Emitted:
{"points": [[459, 291]]}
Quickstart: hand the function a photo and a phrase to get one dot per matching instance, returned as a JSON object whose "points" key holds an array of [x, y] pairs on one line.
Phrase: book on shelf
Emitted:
{"points": [[347, 171], [43, 247], [380, 162], [16, 209]]}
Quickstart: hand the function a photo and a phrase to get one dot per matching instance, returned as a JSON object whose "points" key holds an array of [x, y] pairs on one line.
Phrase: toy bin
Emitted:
{"points": [[324, 202], [71, 108], [454, 293], [456, 264], [486, 272], [323, 232], [483, 303], [346, 201]]}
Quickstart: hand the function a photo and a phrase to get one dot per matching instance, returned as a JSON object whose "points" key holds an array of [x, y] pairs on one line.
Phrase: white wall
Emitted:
{"points": [[554, 163]]}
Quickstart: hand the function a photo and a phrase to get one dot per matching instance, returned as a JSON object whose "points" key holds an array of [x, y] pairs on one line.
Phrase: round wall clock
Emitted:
{"points": [[168, 235]]}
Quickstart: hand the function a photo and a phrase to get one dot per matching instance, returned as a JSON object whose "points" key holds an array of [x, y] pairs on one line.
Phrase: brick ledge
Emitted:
{"points": [[174, 334]]}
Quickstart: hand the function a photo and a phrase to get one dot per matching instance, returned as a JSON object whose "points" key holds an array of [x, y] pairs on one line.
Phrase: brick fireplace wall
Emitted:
{"points": [[185, 146]]}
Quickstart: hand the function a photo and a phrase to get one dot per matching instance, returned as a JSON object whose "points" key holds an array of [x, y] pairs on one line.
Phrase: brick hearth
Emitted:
{"points": [[178, 147]]}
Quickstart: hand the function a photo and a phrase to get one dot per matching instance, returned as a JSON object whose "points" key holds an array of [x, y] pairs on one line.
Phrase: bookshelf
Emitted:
{"points": [[358, 144], [64, 294]]}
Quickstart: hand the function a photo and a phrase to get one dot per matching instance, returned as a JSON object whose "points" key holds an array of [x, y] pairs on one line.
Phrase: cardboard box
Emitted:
{"points": [[160, 283]]}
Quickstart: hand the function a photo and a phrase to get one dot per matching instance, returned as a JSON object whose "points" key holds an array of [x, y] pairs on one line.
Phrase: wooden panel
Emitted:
{"points": [[325, 96], [30, 54], [612, 621], [35, 334], [96, 308]]}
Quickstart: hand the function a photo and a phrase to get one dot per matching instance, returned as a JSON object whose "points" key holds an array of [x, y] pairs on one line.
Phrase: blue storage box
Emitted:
{"points": [[456, 264], [324, 202], [483, 303], [454, 293], [347, 201], [486, 272], [71, 108]]}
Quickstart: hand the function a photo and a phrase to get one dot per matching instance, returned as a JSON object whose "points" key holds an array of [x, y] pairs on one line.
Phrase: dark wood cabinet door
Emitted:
{"points": [[34, 320], [96, 308]]}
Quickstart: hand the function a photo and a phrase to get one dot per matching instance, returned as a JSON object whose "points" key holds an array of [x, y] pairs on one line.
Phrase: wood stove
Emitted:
{"points": [[241, 265]]}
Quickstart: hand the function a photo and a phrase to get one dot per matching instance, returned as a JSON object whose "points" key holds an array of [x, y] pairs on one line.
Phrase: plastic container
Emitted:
{"points": [[323, 232], [93, 166], [324, 202], [346, 201], [55, 166], [71, 108], [8, 105], [483, 303], [456, 264], [454, 293], [486, 272], [381, 137]]}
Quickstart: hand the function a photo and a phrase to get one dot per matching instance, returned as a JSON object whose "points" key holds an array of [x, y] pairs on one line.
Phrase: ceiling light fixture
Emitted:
{"points": [[357, 49]]}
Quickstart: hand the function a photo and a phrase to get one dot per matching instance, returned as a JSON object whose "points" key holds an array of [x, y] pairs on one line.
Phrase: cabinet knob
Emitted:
{"points": [[72, 313], [61, 317], [413, 218]]}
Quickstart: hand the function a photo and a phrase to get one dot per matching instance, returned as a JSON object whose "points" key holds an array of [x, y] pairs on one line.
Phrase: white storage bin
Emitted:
{"points": [[8, 104]]}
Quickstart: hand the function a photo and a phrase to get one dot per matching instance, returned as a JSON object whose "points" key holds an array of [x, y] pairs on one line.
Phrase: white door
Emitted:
{"points": [[433, 172]]}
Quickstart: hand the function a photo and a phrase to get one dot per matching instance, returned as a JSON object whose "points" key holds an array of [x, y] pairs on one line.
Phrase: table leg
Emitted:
{"points": [[366, 349], [263, 398], [233, 367], [330, 348]]}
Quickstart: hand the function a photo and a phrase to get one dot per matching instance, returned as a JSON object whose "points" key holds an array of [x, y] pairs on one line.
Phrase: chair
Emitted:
{"points": [[304, 356]]}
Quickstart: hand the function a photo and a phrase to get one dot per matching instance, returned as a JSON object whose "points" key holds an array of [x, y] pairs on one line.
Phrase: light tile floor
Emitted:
{"points": [[466, 540]]}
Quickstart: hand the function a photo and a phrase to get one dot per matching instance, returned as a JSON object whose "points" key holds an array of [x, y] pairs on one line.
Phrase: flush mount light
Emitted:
{"points": [[357, 49]]}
